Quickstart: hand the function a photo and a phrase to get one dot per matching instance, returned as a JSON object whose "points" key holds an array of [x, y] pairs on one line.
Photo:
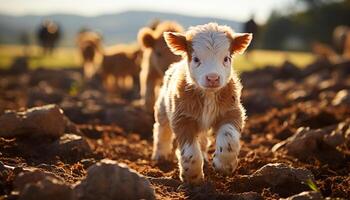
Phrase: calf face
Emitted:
{"points": [[209, 53]]}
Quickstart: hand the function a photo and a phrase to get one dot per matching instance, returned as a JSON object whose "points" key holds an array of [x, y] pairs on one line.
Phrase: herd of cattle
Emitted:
{"points": [[144, 63], [141, 65]]}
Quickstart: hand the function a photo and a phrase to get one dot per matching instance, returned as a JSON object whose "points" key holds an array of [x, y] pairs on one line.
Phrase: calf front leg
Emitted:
{"points": [[189, 151], [227, 149], [191, 162]]}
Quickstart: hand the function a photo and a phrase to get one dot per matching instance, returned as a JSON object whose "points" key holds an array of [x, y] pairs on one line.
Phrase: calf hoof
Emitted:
{"points": [[225, 168], [195, 179], [160, 158]]}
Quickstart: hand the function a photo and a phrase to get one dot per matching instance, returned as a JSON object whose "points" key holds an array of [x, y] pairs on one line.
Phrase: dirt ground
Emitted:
{"points": [[278, 101]]}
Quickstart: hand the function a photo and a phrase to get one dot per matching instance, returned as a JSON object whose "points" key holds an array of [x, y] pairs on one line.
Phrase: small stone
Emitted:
{"points": [[316, 143], [108, 180], [341, 98], [281, 178], [70, 146], [25, 178], [47, 120], [47, 188]]}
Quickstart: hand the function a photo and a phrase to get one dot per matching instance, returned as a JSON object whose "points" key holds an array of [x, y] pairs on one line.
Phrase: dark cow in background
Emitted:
{"points": [[48, 36]]}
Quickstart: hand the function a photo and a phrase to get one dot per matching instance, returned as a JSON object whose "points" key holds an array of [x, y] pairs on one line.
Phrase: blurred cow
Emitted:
{"points": [[89, 43], [339, 38], [155, 59], [251, 27], [120, 63], [339, 50], [346, 52], [48, 36]]}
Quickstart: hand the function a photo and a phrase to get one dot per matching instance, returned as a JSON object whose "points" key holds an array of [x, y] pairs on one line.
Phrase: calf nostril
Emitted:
{"points": [[213, 77]]}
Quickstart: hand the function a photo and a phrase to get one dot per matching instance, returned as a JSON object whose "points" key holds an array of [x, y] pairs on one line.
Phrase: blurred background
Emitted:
{"points": [[284, 29]]}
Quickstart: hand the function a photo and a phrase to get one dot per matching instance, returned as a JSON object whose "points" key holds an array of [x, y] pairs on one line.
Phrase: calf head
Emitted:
{"points": [[153, 40], [209, 50]]}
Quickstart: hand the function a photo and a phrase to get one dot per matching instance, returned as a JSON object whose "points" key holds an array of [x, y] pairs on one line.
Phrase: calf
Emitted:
{"points": [[121, 62], [155, 59], [201, 94], [89, 44]]}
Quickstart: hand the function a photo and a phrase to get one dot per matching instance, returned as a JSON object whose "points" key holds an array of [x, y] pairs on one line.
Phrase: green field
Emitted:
{"points": [[69, 57]]}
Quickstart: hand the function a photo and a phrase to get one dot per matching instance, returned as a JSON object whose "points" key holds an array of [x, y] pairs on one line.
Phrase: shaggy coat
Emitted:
{"points": [[89, 44], [120, 62], [156, 59], [201, 94]]}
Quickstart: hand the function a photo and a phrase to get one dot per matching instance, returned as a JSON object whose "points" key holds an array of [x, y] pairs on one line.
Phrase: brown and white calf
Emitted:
{"points": [[201, 94], [156, 59], [90, 45], [119, 63]]}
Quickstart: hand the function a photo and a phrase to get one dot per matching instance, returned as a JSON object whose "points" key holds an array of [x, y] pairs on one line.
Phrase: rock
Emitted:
{"points": [[47, 188], [108, 180], [25, 178], [317, 143], [87, 162], [247, 196], [130, 118], [341, 98], [19, 65], [66, 79], [47, 120], [279, 177], [288, 70], [260, 100], [44, 94], [309, 195], [70, 145]]}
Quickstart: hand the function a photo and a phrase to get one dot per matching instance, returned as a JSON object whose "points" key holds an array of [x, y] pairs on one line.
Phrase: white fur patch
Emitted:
{"points": [[210, 110], [191, 163], [227, 149]]}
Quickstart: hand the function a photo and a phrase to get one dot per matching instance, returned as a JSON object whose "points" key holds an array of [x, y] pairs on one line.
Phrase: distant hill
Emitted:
{"points": [[116, 28]]}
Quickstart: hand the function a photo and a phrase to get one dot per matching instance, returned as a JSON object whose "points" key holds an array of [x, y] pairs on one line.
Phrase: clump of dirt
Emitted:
{"points": [[296, 138]]}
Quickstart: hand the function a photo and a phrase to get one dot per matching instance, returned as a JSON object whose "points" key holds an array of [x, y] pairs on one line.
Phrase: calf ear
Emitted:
{"points": [[145, 38], [240, 42], [176, 42]]}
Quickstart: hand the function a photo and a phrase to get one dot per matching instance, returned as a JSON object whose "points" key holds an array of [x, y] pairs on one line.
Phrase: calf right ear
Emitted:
{"points": [[176, 42], [145, 37]]}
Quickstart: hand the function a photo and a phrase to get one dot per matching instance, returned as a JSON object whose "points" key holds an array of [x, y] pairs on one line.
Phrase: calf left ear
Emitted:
{"points": [[240, 42], [176, 42]]}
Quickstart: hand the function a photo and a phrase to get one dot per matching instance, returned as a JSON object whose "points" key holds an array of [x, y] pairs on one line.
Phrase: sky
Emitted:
{"points": [[240, 10]]}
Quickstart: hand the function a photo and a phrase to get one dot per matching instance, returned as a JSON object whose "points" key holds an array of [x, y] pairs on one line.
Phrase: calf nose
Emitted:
{"points": [[213, 80]]}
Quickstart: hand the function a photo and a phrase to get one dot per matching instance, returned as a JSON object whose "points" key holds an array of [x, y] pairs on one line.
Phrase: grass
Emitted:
{"points": [[69, 57], [61, 58], [262, 58]]}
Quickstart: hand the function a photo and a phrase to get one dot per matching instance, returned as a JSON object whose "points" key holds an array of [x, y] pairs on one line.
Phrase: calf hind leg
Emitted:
{"points": [[162, 142]]}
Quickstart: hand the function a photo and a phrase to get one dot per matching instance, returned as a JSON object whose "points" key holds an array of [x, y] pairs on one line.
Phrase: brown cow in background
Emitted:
{"points": [[339, 50], [90, 46], [120, 64], [156, 59]]}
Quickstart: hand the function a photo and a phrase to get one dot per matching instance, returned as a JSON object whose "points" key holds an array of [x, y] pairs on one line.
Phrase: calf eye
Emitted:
{"points": [[227, 60], [196, 60]]}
